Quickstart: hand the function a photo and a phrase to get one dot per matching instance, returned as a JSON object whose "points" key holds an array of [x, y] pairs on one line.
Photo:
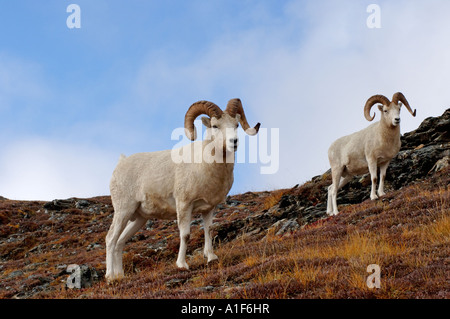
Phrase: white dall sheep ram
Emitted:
{"points": [[155, 185], [368, 149]]}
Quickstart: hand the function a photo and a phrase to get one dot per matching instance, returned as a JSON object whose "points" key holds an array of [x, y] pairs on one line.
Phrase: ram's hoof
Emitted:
{"points": [[213, 262], [182, 265]]}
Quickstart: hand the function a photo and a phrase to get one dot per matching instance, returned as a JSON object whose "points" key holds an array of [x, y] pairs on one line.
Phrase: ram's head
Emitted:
{"points": [[390, 110], [222, 125]]}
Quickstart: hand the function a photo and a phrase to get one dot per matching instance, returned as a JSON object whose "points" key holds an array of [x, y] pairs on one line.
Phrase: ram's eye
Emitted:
{"points": [[385, 111], [215, 126]]}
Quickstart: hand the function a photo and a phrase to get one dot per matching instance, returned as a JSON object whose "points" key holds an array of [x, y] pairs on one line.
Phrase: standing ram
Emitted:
{"points": [[368, 149], [155, 185]]}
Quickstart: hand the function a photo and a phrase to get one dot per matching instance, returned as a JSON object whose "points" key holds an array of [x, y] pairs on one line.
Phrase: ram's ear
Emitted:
{"points": [[206, 121], [380, 107]]}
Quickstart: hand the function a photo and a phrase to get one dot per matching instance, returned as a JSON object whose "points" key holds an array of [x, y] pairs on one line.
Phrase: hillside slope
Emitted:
{"points": [[278, 244]]}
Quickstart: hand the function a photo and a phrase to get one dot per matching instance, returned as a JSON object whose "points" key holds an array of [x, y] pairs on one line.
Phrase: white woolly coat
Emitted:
{"points": [[377, 141], [155, 181]]}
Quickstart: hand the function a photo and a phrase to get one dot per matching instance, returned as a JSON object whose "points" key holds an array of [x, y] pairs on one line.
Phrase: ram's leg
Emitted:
{"points": [[336, 174], [372, 163], [207, 222], [122, 215], [184, 213], [329, 201], [343, 181], [383, 169], [133, 225], [110, 245]]}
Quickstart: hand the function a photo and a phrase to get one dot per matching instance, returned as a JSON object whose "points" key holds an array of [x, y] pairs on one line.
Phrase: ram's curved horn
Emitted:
{"points": [[400, 97], [373, 100], [196, 109], [234, 107]]}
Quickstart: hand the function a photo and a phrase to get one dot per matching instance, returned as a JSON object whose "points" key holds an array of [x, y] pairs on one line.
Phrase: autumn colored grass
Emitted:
{"points": [[406, 233], [273, 199]]}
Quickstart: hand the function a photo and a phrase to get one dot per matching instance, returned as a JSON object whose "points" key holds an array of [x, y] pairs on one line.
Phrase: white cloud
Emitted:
{"points": [[313, 85], [44, 170], [307, 73]]}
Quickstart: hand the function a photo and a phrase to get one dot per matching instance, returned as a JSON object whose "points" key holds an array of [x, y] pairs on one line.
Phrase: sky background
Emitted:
{"points": [[73, 100]]}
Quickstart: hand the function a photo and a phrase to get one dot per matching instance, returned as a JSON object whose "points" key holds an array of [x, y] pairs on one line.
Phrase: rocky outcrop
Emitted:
{"points": [[424, 151]]}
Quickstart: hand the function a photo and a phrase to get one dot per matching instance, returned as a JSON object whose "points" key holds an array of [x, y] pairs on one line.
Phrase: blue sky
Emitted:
{"points": [[73, 100]]}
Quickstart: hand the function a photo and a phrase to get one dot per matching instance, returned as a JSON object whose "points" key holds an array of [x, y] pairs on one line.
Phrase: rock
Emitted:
{"points": [[250, 233], [61, 267], [229, 230], [149, 224], [59, 204], [14, 274], [232, 202], [37, 248], [89, 276], [286, 201], [311, 214], [175, 282], [94, 210], [413, 164], [284, 226], [82, 204], [441, 164], [431, 130], [158, 246], [93, 246], [83, 276]]}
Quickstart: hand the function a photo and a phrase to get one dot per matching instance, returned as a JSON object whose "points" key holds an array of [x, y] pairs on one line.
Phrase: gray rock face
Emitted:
{"points": [[59, 204], [421, 150]]}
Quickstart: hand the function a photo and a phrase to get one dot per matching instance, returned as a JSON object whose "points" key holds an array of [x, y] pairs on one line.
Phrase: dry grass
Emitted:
{"points": [[407, 234], [273, 199]]}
